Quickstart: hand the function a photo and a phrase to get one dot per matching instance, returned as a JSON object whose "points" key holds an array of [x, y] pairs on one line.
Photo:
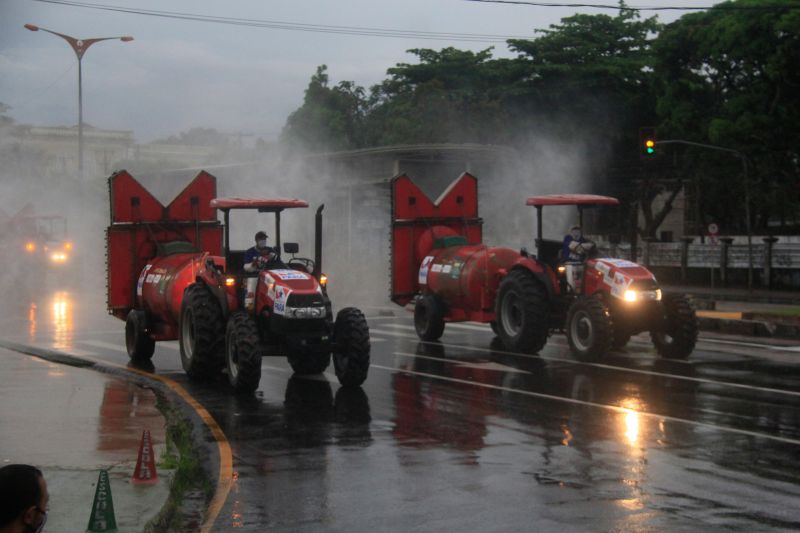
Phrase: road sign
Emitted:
{"points": [[713, 232]]}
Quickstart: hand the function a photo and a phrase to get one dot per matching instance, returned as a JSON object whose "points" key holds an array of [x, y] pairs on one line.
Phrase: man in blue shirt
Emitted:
{"points": [[575, 247], [257, 257]]}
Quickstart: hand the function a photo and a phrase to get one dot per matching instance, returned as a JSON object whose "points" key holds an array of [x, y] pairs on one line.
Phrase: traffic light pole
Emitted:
{"points": [[743, 159]]}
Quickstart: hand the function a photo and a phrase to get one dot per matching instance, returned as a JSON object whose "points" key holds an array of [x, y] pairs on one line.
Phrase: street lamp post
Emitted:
{"points": [[79, 46]]}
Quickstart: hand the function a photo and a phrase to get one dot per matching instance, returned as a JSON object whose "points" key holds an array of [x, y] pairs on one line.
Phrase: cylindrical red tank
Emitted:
{"points": [[162, 281], [466, 277]]}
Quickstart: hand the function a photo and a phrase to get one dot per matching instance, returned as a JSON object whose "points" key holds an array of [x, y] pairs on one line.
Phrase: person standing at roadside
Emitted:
{"points": [[23, 499]]}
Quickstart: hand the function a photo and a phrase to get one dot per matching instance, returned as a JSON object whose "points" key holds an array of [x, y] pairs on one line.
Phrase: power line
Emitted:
{"points": [[294, 26], [727, 7]]}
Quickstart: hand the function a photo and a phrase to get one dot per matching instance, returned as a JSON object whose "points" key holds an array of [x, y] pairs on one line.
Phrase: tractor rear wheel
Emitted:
{"points": [[139, 343], [678, 335], [429, 318], [310, 363], [201, 332], [351, 347], [590, 330], [522, 312], [243, 353]]}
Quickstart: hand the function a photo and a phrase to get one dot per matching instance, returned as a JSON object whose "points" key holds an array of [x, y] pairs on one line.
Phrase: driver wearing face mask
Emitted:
{"points": [[256, 257], [575, 247], [23, 499]]}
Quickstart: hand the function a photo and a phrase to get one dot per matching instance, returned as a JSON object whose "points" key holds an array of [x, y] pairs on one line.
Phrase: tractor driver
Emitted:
{"points": [[576, 247], [260, 255]]}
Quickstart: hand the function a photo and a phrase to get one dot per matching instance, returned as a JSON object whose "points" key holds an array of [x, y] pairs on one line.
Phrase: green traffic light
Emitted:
{"points": [[650, 150]]}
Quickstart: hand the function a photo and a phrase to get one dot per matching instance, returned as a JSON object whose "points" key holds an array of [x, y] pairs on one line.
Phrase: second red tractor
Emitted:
{"points": [[440, 263]]}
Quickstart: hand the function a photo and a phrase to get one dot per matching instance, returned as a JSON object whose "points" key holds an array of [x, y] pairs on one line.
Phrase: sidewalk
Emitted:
{"points": [[756, 313], [73, 422]]}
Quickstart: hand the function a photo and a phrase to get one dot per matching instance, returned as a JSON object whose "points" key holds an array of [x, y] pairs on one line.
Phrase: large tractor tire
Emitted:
{"points": [[351, 347], [202, 333], [590, 330], [429, 317], [522, 312], [677, 337], [310, 363], [242, 353], [139, 343]]}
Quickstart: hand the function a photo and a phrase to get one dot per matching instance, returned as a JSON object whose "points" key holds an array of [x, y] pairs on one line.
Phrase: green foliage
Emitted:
{"points": [[730, 78], [723, 77], [330, 118]]}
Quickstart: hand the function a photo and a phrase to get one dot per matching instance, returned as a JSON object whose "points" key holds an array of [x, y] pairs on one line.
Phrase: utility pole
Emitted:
{"points": [[748, 228]]}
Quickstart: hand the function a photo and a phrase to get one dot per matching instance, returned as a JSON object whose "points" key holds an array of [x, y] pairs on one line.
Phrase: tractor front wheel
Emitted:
{"points": [[139, 343], [310, 363], [351, 347], [201, 332], [678, 334], [522, 312], [243, 353], [590, 331], [429, 318]]}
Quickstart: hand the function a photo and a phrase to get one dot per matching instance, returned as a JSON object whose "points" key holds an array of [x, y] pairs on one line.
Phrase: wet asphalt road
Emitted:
{"points": [[459, 435]]}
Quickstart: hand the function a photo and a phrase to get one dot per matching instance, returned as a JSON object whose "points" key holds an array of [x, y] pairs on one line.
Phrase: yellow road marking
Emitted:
{"points": [[730, 315], [223, 446]]}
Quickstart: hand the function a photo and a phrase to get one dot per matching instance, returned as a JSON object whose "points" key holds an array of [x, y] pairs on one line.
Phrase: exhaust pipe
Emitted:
{"points": [[318, 242]]}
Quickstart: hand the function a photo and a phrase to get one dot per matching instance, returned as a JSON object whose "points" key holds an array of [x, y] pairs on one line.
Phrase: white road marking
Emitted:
{"points": [[488, 365], [610, 367], [606, 407]]}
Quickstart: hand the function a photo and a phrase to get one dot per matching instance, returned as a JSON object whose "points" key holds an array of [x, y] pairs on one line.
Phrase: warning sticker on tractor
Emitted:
{"points": [[289, 274], [423, 270], [437, 268], [620, 284], [281, 295]]}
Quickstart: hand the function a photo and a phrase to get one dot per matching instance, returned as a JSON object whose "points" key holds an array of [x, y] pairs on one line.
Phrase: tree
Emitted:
{"points": [[330, 118], [729, 78]]}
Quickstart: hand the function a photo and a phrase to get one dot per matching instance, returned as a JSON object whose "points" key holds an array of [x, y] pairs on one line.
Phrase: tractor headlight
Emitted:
{"points": [[631, 295], [304, 312], [323, 280], [59, 257]]}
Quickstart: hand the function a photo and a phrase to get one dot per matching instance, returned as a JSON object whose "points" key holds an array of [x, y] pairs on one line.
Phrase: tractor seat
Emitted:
{"points": [[549, 252], [235, 261]]}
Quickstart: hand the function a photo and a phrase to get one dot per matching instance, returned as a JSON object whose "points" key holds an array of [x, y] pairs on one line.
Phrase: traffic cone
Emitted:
{"points": [[145, 472], [102, 518]]}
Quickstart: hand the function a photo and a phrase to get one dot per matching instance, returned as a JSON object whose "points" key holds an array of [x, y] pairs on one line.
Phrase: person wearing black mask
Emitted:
{"points": [[23, 499]]}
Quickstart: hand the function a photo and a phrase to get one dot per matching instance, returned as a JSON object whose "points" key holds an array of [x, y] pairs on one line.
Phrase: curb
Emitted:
{"points": [[749, 328], [202, 438]]}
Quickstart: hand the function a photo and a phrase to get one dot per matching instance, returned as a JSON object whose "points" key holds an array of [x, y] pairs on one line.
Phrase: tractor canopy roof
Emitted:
{"points": [[571, 199], [262, 204]]}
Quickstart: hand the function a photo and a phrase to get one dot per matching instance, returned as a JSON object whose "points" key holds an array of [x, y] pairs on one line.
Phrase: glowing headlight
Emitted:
{"points": [[30, 247], [58, 257], [323, 280], [637, 296]]}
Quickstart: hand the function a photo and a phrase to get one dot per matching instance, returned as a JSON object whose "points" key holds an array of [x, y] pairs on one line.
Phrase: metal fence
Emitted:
{"points": [[668, 254]]}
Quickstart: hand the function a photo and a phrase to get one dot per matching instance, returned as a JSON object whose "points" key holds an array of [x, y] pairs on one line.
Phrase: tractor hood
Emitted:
{"points": [[620, 275], [291, 279]]}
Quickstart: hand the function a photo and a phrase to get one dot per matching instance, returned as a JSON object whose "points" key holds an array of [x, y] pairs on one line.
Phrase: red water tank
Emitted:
{"points": [[159, 290], [466, 277]]}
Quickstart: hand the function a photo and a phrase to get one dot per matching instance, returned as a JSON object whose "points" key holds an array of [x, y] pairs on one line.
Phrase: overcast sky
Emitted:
{"points": [[179, 74]]}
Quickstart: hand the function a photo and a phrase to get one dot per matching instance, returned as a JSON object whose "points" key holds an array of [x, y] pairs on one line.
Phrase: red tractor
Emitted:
{"points": [[173, 275], [603, 301], [439, 263]]}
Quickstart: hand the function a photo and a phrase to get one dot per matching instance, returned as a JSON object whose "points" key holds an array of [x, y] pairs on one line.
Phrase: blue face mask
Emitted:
{"points": [[576, 234], [262, 243]]}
